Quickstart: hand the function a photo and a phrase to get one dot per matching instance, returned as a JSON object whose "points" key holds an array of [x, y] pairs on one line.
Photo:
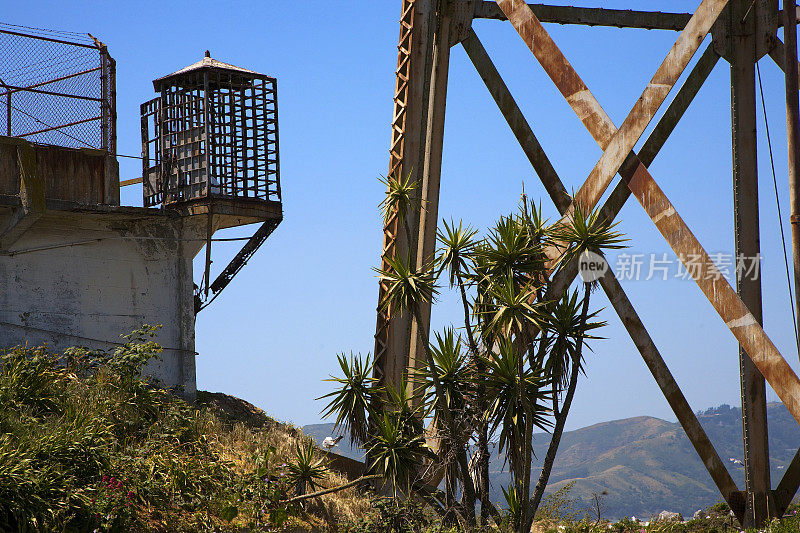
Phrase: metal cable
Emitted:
{"points": [[778, 204], [62, 334]]}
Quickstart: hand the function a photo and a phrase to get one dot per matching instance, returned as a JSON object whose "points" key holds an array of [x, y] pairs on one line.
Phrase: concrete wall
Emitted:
{"points": [[86, 277]]}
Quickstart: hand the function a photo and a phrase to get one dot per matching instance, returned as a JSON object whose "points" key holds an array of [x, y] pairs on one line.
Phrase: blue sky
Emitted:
{"points": [[310, 292]]}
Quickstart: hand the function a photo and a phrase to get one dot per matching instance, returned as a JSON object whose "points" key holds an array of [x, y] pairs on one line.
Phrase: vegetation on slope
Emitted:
{"points": [[86, 444]]}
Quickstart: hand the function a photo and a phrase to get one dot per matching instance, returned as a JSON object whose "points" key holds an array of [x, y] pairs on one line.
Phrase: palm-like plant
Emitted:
{"points": [[395, 453], [455, 374], [517, 403], [400, 198], [562, 326], [407, 288], [401, 401], [511, 308], [352, 400], [305, 471], [514, 399], [456, 247], [510, 249], [584, 231]]}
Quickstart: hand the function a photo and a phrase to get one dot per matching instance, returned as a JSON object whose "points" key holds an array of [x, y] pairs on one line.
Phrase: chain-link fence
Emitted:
{"points": [[57, 88]]}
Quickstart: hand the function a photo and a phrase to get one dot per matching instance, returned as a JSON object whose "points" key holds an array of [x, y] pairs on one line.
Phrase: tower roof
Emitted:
{"points": [[206, 63]]}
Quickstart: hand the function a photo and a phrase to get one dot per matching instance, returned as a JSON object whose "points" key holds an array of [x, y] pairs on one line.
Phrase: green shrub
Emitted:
{"points": [[87, 444]]}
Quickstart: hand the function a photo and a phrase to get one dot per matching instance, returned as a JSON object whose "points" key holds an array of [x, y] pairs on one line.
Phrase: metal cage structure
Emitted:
{"points": [[57, 88], [211, 132]]}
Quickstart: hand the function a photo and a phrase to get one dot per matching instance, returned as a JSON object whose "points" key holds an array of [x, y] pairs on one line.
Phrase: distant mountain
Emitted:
{"points": [[646, 465]]}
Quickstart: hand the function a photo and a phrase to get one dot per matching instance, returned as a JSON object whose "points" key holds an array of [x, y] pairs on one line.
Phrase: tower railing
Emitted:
{"points": [[57, 88]]}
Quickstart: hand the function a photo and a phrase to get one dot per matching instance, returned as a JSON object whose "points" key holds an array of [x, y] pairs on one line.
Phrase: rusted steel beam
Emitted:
{"points": [[672, 392], [746, 233], [778, 54], [788, 485], [581, 99], [727, 303], [793, 136], [392, 332], [431, 173], [648, 103], [389, 326], [589, 16], [533, 150], [662, 131], [616, 295]]}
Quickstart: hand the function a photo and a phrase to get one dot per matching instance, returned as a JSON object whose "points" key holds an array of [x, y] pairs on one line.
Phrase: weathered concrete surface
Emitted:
{"points": [[86, 277]]}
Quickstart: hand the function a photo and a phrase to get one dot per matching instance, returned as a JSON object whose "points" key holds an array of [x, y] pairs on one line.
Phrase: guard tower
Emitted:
{"points": [[76, 267], [210, 146]]}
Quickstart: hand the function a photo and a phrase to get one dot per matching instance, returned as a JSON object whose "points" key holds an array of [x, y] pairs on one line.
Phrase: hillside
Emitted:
{"points": [[87, 445], [646, 465]]}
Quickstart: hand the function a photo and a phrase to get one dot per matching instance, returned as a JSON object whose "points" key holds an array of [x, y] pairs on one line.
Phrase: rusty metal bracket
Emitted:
{"points": [[239, 261], [461, 14]]}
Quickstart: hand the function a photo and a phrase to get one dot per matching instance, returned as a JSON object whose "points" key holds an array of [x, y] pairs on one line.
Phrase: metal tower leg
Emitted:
{"points": [[793, 135], [431, 172], [745, 194], [393, 330]]}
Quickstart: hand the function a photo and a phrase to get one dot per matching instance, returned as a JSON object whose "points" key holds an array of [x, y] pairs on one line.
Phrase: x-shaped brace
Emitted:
{"points": [[618, 144], [617, 297]]}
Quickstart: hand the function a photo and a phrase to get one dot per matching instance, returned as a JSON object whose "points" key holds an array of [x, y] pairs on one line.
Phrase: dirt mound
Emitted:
{"points": [[235, 409]]}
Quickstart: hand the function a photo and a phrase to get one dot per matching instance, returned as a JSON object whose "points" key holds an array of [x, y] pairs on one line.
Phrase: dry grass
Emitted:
{"points": [[248, 430]]}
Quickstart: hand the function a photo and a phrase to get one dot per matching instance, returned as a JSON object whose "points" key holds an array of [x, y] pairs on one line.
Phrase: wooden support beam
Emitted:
{"points": [[134, 181], [589, 16]]}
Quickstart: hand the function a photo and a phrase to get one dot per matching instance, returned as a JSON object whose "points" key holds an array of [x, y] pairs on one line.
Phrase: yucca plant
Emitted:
{"points": [[305, 471], [513, 369], [395, 453], [457, 256], [401, 198], [351, 402], [407, 289], [582, 232]]}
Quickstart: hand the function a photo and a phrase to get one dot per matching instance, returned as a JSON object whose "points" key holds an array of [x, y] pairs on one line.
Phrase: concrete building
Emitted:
{"points": [[77, 268]]}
